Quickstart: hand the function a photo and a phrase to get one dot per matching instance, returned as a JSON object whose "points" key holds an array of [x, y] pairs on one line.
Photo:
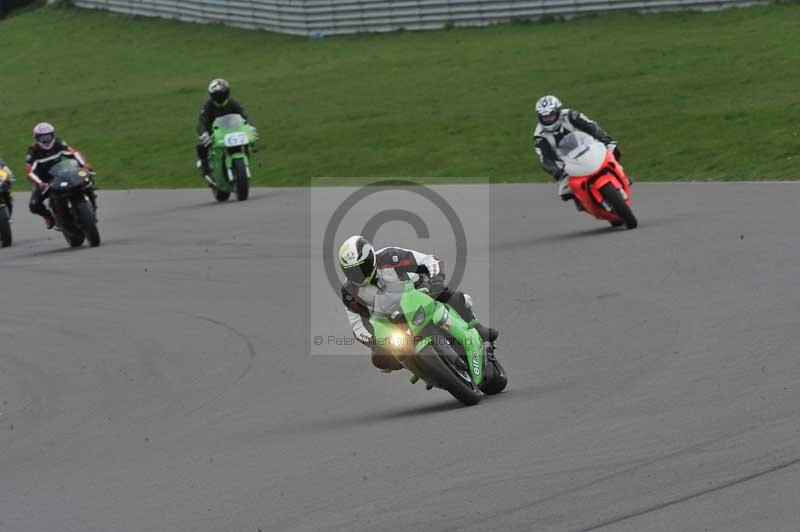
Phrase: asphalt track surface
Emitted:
{"points": [[163, 382]]}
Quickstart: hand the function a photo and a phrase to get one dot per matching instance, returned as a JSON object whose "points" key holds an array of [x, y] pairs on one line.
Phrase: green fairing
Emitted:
{"points": [[222, 154], [409, 300]]}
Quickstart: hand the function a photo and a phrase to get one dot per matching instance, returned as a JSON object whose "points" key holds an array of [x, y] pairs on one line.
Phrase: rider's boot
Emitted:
{"points": [[385, 362], [205, 171], [49, 220]]}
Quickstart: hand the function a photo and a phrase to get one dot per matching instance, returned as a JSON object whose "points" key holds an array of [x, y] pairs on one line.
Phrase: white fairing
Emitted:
{"points": [[581, 154]]}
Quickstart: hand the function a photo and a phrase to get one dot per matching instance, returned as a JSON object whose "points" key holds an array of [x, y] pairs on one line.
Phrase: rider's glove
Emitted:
{"points": [[366, 339], [43, 186], [205, 139], [433, 286]]}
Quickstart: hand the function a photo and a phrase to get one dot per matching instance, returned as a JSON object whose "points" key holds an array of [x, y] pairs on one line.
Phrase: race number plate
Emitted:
{"points": [[236, 139]]}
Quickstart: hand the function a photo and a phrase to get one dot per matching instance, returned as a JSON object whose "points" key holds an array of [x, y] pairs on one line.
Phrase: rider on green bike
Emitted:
{"points": [[367, 270], [219, 103]]}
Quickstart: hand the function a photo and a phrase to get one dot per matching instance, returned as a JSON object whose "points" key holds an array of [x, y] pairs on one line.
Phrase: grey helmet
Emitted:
{"points": [[220, 91]]}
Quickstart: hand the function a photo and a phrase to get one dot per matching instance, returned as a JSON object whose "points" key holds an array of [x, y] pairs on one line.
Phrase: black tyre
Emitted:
{"points": [[441, 366], [495, 380], [240, 179], [88, 224], [74, 240], [5, 227], [618, 205], [220, 195]]}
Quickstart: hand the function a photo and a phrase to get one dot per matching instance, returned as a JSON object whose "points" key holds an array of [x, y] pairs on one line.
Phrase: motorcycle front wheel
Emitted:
{"points": [[88, 224], [240, 179], [5, 227], [440, 366], [618, 205]]}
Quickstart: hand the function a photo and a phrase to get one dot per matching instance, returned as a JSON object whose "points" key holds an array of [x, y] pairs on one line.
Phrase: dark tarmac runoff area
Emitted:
{"points": [[165, 381]]}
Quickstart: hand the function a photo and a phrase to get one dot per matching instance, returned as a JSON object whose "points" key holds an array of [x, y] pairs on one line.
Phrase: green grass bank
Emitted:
{"points": [[690, 96]]}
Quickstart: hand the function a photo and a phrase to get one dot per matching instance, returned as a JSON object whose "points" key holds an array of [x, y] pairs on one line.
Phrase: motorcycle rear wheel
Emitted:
{"points": [[74, 240], [220, 195], [618, 205], [495, 379]]}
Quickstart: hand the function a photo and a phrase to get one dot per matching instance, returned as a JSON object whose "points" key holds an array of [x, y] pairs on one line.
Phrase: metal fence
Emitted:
{"points": [[330, 17]]}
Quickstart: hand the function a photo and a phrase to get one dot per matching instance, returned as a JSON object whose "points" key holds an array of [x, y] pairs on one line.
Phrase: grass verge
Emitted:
{"points": [[689, 96]]}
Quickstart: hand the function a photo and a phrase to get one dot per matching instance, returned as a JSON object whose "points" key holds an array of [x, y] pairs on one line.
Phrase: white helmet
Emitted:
{"points": [[357, 260], [548, 112], [45, 135]]}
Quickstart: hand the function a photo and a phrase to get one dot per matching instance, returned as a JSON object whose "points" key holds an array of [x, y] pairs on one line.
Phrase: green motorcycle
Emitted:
{"points": [[435, 344], [229, 157]]}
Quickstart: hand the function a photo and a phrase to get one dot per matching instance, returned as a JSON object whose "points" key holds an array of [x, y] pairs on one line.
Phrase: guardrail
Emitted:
{"points": [[331, 17]]}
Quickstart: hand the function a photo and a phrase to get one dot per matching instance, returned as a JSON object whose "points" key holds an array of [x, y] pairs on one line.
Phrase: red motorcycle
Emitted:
{"points": [[597, 179]]}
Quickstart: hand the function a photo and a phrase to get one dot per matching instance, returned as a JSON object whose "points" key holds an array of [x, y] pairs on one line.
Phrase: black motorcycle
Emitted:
{"points": [[73, 203], [6, 207]]}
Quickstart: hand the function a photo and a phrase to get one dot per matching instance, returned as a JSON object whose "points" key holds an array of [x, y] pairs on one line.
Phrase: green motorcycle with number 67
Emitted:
{"points": [[229, 157], [435, 344]]}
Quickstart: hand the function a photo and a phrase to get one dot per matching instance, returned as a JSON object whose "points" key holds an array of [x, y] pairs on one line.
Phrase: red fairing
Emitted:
{"points": [[589, 194]]}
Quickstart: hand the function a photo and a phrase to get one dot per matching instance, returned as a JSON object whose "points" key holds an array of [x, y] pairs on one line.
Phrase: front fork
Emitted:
{"points": [[230, 157], [91, 195], [7, 199]]}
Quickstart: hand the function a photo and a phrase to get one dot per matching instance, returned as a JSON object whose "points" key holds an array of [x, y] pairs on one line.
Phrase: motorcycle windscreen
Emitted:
{"points": [[231, 121], [581, 154], [387, 302], [68, 175], [65, 169]]}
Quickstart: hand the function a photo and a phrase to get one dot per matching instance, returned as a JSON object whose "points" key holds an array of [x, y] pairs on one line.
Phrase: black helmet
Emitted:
{"points": [[220, 91]]}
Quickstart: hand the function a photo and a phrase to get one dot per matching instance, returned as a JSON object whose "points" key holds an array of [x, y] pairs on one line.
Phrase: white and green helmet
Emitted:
{"points": [[357, 260]]}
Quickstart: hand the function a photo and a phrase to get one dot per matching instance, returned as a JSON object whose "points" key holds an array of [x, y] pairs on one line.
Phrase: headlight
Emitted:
{"points": [[399, 340]]}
